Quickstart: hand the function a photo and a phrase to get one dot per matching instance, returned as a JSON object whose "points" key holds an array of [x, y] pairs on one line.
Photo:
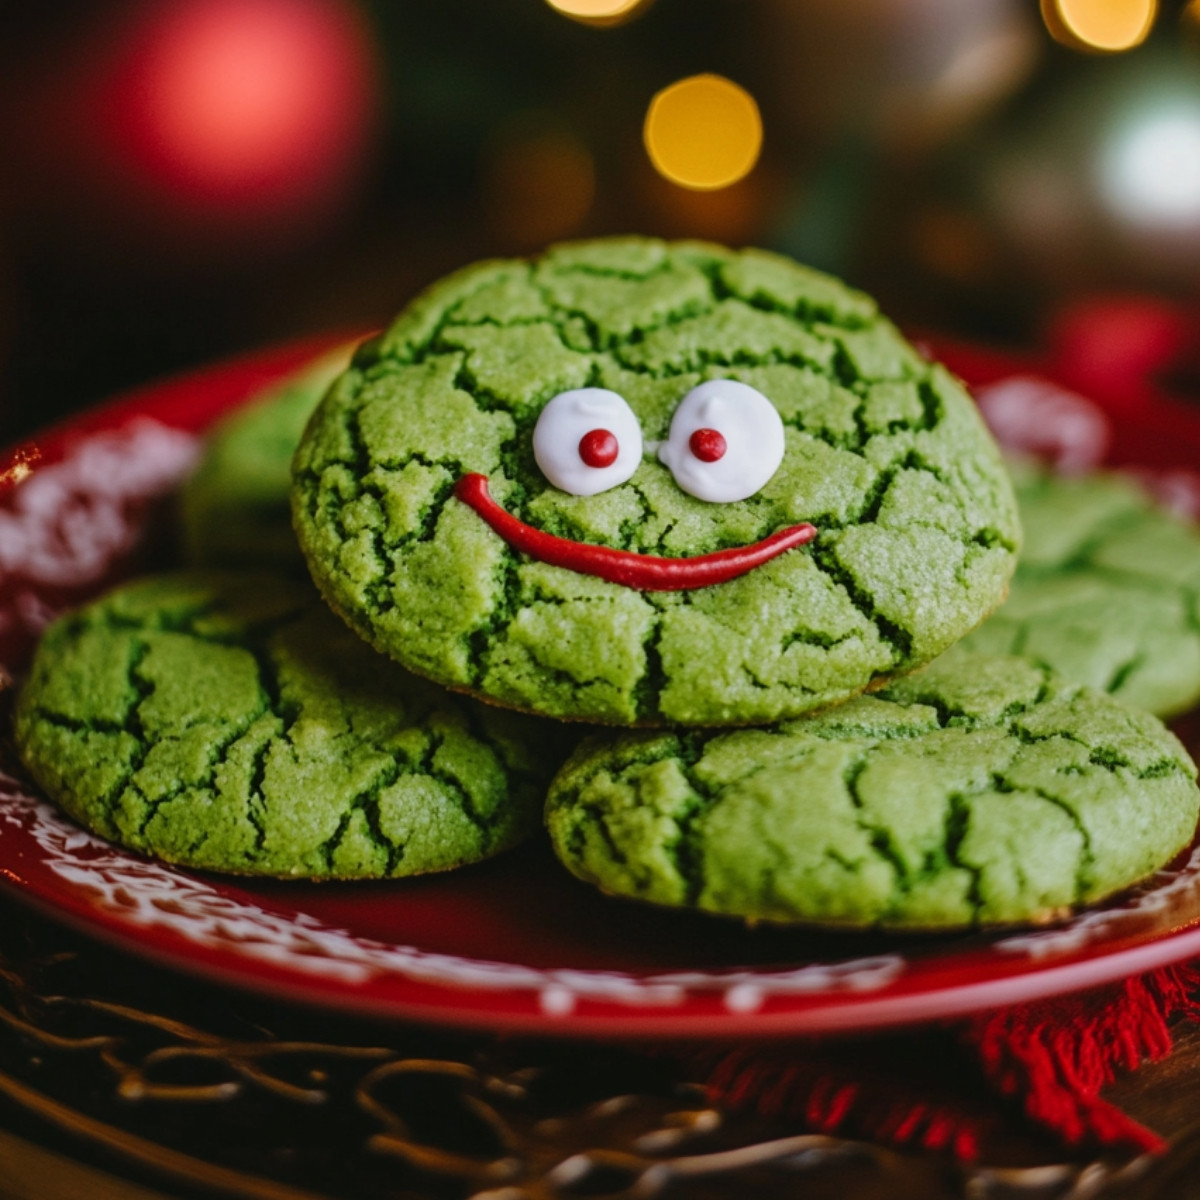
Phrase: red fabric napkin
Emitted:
{"points": [[1050, 1059]]}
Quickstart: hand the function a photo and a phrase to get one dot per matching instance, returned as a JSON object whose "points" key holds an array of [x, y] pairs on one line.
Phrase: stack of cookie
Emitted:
{"points": [[711, 497]]}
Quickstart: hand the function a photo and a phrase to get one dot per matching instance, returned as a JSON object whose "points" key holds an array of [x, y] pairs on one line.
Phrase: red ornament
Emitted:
{"points": [[599, 448], [1121, 345], [242, 121]]}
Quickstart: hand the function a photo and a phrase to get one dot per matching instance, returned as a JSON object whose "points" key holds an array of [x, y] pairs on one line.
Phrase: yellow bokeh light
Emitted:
{"points": [[703, 132], [19, 467], [1105, 25], [598, 12], [17, 473]]}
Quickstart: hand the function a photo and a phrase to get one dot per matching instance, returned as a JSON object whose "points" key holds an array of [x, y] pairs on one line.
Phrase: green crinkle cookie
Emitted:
{"points": [[234, 506], [981, 791], [1107, 590], [231, 723], [885, 455]]}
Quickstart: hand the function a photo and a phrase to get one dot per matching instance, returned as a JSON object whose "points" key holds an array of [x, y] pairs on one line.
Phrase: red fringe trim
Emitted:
{"points": [[1051, 1058], [1055, 1056], [830, 1096]]}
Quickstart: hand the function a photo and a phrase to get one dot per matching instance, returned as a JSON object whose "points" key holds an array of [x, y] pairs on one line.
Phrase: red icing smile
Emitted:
{"points": [[645, 572]]}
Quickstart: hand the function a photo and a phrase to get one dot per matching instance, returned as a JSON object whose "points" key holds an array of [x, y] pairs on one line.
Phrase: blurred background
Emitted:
{"points": [[184, 179]]}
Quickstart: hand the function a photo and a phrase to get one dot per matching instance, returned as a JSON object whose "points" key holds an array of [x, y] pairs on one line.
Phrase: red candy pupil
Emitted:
{"points": [[707, 445], [599, 448]]}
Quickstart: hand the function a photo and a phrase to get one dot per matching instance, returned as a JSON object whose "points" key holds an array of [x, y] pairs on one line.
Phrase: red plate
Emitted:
{"points": [[516, 944]]}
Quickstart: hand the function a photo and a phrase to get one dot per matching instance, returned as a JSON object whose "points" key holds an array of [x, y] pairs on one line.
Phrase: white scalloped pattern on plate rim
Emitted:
{"points": [[71, 521], [149, 894]]}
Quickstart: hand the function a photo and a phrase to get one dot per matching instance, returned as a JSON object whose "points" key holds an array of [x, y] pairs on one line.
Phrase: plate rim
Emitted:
{"points": [[191, 402]]}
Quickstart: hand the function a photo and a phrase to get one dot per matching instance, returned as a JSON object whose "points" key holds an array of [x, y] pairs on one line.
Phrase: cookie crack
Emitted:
{"points": [[490, 320], [71, 724], [805, 309], [600, 824], [140, 690], [813, 637], [686, 851], [217, 756], [1120, 677], [1087, 857], [954, 832], [701, 358], [256, 808], [590, 328], [466, 802], [1107, 758], [479, 642], [206, 784], [425, 526], [851, 443], [894, 634], [187, 625], [951, 717], [647, 692], [366, 802], [882, 839], [989, 538], [933, 410], [419, 350]]}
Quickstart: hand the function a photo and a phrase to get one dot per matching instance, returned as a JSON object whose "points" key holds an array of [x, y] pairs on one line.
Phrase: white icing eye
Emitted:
{"points": [[587, 441], [726, 441]]}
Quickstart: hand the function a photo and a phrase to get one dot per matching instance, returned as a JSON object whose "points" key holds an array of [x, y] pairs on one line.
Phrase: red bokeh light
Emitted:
{"points": [[226, 122], [1115, 345], [246, 101]]}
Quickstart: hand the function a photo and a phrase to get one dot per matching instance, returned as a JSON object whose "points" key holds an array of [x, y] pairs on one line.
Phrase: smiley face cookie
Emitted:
{"points": [[636, 482]]}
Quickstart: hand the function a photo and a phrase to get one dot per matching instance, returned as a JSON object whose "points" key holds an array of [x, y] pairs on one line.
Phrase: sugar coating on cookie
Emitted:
{"points": [[1107, 590], [981, 791], [234, 507], [885, 455], [232, 723]]}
